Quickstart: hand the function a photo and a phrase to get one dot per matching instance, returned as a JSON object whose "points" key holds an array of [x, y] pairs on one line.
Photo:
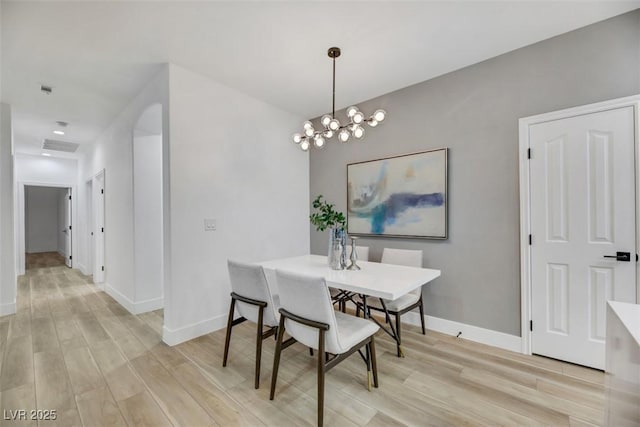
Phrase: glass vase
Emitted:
{"points": [[337, 256]]}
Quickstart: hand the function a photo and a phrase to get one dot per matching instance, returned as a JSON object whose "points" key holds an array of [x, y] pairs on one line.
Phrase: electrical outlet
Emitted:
{"points": [[209, 225]]}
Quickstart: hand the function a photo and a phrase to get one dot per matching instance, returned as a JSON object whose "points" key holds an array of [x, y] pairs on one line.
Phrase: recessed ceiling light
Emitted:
{"points": [[58, 132], [46, 154]]}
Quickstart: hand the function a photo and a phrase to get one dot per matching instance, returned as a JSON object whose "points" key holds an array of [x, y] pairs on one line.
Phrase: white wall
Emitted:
{"points": [[147, 190], [232, 160], [43, 171], [113, 152], [42, 219], [7, 200]]}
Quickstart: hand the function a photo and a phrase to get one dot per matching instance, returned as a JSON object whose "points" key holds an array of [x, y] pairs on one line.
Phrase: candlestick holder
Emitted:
{"points": [[354, 255]]}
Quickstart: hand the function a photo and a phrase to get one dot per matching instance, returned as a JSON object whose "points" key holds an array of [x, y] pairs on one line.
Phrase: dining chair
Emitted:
{"points": [[406, 303], [308, 317], [252, 298], [339, 296]]}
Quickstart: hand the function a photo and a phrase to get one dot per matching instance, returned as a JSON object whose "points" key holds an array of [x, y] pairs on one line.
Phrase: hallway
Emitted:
{"points": [[74, 350]]}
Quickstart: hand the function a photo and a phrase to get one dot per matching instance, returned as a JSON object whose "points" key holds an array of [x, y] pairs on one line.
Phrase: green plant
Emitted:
{"points": [[325, 216]]}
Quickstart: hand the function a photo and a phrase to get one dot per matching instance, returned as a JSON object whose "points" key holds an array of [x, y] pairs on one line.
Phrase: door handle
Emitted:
{"points": [[620, 256]]}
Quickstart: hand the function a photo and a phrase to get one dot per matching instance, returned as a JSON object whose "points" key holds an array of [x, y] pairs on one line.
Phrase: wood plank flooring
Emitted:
{"points": [[71, 348], [43, 259]]}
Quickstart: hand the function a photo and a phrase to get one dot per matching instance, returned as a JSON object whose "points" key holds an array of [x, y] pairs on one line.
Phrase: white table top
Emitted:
{"points": [[374, 279], [629, 315]]}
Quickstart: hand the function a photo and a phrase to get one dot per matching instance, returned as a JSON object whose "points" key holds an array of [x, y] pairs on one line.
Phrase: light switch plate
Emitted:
{"points": [[209, 225]]}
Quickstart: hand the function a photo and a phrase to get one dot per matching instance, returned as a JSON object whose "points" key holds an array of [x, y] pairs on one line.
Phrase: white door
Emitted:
{"points": [[582, 217], [89, 232], [68, 230], [99, 229]]}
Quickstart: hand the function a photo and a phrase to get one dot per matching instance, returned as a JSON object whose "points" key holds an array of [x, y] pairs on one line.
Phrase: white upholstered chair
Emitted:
{"points": [[307, 315], [252, 298], [408, 302]]}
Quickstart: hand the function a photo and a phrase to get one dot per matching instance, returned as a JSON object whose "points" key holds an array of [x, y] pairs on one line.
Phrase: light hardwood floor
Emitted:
{"points": [[73, 349], [43, 259]]}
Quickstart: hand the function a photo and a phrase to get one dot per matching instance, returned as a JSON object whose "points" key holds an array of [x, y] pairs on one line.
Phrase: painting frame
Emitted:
{"points": [[436, 222]]}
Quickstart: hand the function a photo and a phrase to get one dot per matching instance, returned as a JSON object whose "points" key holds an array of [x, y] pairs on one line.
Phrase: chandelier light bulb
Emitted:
{"points": [[379, 115], [351, 111], [358, 117], [307, 125], [309, 131], [325, 120], [328, 134], [372, 122], [358, 132], [334, 125], [318, 141], [343, 136], [304, 145], [297, 138]]}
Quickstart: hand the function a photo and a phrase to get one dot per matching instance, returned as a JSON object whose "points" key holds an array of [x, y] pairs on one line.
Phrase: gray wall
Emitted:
{"points": [[474, 112]]}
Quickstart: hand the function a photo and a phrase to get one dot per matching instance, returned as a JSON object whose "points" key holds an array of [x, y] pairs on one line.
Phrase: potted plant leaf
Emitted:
{"points": [[326, 217]]}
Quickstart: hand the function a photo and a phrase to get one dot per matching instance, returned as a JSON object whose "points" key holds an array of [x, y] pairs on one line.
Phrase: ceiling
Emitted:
{"points": [[98, 55]]}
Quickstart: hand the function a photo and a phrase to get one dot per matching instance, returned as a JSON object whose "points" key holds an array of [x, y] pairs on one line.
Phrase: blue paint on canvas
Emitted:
{"points": [[387, 212]]}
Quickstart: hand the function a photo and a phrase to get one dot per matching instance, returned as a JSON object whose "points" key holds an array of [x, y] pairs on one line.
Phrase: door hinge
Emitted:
{"points": [[102, 191], [103, 268], [69, 227], [70, 257], [102, 229], [531, 325], [530, 239], [528, 153], [69, 197]]}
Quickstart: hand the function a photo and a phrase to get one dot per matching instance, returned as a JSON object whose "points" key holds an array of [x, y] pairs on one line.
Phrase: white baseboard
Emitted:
{"points": [[149, 305], [83, 269], [122, 299], [7, 309], [131, 306], [469, 332], [194, 330]]}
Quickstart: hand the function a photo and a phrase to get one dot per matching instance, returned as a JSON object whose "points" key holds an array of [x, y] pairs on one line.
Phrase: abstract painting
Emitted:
{"points": [[401, 196]]}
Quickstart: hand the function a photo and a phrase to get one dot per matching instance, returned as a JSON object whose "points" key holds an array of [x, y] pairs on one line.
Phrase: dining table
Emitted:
{"points": [[372, 280]]}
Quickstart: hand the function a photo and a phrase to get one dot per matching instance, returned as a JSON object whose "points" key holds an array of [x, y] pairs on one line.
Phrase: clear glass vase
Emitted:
{"points": [[337, 257]]}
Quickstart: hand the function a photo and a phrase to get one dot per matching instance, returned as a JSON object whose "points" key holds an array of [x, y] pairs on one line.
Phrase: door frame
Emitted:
{"points": [[20, 244], [99, 209], [525, 197]]}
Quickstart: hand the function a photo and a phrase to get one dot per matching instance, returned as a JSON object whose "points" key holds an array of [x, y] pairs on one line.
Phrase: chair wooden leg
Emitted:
{"points": [[227, 339], [424, 331], [368, 363], [399, 336], [276, 358], [321, 357], [374, 364], [259, 346]]}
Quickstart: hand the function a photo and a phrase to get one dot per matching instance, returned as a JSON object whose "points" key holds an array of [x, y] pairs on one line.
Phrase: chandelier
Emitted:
{"points": [[331, 126]]}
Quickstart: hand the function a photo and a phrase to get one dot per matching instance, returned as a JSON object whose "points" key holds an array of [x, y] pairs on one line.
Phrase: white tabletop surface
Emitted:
{"points": [[629, 315], [374, 279]]}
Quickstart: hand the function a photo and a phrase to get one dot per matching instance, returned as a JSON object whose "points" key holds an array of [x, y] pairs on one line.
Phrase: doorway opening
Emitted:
{"points": [[47, 227], [148, 210]]}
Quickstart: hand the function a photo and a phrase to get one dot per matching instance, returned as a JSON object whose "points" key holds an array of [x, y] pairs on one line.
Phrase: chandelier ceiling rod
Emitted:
{"points": [[333, 53], [332, 126]]}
